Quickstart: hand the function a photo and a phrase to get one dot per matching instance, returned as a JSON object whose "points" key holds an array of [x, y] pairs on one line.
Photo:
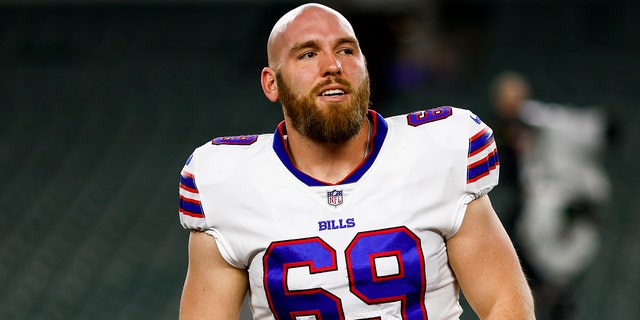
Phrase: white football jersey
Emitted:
{"points": [[369, 247]]}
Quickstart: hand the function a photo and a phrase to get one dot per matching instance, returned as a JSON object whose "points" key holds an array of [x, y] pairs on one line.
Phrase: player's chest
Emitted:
{"points": [[347, 252]]}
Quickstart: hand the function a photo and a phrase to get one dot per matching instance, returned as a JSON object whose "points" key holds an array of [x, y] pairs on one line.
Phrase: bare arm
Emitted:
{"points": [[487, 267], [213, 289]]}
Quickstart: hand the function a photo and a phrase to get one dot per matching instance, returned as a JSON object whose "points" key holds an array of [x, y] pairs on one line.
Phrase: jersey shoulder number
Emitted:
{"points": [[244, 140], [419, 118]]}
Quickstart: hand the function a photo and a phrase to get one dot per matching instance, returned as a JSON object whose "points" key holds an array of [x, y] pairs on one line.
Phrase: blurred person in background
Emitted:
{"points": [[551, 157]]}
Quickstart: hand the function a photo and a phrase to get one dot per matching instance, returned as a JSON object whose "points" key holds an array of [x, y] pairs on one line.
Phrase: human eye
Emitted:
{"points": [[307, 55], [347, 46], [347, 51]]}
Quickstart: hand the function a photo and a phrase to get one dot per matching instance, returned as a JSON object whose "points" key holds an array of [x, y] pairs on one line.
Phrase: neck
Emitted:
{"points": [[328, 162]]}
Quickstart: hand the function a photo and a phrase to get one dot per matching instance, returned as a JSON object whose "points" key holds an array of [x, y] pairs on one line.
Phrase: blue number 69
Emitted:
{"points": [[399, 247]]}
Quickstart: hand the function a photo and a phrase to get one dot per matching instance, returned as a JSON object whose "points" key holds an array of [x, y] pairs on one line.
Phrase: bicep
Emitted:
{"points": [[486, 265], [213, 289]]}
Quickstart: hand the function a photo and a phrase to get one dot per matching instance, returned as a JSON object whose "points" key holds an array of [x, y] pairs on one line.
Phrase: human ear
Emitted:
{"points": [[269, 84]]}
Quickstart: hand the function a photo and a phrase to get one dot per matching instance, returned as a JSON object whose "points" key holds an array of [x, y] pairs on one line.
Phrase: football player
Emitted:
{"points": [[341, 213]]}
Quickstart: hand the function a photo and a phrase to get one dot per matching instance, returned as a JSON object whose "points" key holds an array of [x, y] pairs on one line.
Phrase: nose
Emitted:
{"points": [[332, 66]]}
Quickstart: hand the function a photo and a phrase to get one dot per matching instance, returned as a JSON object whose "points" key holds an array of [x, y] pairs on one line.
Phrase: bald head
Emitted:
{"points": [[301, 19]]}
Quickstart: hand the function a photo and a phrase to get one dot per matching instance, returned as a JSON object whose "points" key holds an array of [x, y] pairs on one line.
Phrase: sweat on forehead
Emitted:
{"points": [[287, 19]]}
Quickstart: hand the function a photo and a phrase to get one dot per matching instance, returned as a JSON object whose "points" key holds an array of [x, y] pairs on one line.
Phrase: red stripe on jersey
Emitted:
{"points": [[193, 201], [191, 214], [484, 147], [187, 174], [477, 135], [484, 134], [182, 186], [487, 161]]}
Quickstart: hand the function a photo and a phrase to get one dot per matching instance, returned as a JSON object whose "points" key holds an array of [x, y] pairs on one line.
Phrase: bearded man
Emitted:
{"points": [[342, 213]]}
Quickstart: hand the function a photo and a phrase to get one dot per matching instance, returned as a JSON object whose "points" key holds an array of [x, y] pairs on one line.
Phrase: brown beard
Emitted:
{"points": [[340, 122]]}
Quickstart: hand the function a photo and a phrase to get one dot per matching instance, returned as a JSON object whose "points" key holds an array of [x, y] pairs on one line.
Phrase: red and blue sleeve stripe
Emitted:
{"points": [[189, 203], [482, 145], [480, 141]]}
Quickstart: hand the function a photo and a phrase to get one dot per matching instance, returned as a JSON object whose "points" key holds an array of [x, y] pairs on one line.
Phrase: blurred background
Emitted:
{"points": [[102, 101]]}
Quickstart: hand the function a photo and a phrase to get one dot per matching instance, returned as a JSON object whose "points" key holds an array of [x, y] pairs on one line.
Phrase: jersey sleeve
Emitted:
{"points": [[190, 208], [191, 211], [482, 159]]}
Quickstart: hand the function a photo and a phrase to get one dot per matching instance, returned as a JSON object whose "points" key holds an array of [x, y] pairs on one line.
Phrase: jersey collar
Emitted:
{"points": [[380, 129]]}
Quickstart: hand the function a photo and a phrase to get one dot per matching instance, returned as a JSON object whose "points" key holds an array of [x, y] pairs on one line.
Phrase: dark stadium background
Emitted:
{"points": [[102, 101]]}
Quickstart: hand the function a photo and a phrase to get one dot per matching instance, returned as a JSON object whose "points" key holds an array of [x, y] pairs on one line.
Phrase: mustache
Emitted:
{"points": [[344, 83]]}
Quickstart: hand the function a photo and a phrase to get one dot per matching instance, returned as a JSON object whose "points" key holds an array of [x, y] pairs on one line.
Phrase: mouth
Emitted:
{"points": [[333, 93]]}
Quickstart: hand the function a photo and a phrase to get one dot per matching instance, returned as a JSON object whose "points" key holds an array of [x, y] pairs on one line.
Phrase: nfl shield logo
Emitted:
{"points": [[334, 197]]}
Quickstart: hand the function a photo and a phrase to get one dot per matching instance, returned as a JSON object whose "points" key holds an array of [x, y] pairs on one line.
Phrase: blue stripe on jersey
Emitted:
{"points": [[481, 140], [187, 205], [279, 146], [188, 181], [191, 207], [380, 129], [482, 168]]}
